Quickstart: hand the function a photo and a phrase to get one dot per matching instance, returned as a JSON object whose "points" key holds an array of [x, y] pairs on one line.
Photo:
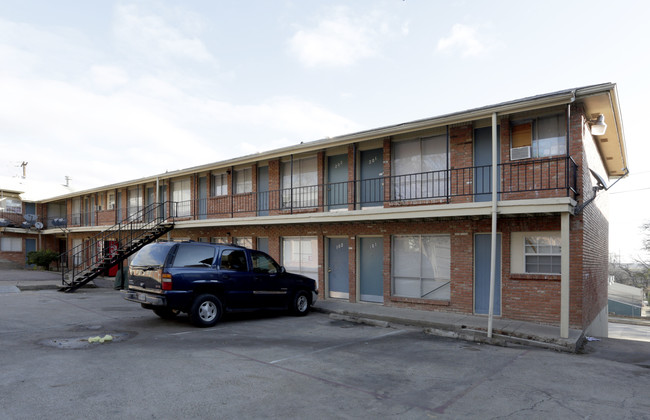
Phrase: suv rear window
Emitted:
{"points": [[153, 254], [192, 255]]}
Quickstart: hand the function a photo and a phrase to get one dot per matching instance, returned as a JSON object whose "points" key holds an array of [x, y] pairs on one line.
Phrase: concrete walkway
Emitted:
{"points": [[462, 326]]}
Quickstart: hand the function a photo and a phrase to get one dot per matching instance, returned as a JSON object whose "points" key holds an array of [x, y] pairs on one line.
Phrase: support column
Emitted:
{"points": [[493, 243], [564, 282]]}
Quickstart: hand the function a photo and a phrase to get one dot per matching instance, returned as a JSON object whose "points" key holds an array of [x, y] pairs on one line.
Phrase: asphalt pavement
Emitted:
{"points": [[273, 365], [452, 325]]}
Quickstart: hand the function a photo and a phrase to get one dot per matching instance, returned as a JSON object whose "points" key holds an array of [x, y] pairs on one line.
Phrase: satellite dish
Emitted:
{"points": [[602, 185], [30, 218], [38, 225]]}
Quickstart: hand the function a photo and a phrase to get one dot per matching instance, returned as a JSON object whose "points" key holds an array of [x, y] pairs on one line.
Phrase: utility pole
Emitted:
{"points": [[24, 165]]}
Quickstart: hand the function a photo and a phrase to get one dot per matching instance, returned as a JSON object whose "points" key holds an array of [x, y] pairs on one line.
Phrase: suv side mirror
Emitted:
{"points": [[282, 269]]}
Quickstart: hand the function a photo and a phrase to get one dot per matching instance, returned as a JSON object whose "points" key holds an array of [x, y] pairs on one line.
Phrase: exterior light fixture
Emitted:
{"points": [[598, 125]]}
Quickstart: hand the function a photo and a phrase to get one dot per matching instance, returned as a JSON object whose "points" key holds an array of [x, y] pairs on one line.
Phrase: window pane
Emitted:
{"points": [[434, 153], [194, 256], [422, 266], [243, 181], [233, 259], [406, 157], [551, 136], [542, 254], [244, 241], [263, 263], [300, 255], [406, 256]]}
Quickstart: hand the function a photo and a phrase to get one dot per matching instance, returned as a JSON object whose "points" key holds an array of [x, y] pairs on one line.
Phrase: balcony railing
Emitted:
{"points": [[543, 178]]}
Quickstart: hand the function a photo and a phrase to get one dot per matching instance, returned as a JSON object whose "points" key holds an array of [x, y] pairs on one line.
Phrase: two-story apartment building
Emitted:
{"points": [[408, 215]]}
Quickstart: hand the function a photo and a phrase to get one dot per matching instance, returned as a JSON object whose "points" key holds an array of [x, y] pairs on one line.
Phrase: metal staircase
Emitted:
{"points": [[82, 263]]}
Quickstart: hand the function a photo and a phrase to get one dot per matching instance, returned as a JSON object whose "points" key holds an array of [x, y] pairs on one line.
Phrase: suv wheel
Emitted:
{"points": [[206, 311], [300, 305]]}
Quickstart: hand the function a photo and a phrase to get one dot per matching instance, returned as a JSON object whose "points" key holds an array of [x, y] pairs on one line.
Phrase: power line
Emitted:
{"points": [[629, 191]]}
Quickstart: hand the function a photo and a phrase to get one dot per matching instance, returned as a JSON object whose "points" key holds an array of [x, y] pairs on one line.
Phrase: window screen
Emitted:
{"points": [[542, 254]]}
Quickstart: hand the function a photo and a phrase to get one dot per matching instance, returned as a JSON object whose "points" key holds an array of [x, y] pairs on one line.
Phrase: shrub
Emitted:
{"points": [[42, 258]]}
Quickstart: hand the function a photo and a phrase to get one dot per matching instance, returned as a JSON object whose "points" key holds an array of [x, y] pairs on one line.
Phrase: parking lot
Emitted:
{"points": [[270, 365]]}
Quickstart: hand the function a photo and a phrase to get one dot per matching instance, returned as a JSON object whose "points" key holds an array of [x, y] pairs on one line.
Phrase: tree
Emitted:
{"points": [[42, 258]]}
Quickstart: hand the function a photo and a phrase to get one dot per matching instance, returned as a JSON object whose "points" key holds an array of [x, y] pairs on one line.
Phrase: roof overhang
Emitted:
{"points": [[595, 97], [603, 99]]}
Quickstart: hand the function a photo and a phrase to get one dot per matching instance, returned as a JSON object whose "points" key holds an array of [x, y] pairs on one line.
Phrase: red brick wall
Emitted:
{"points": [[591, 226], [529, 298]]}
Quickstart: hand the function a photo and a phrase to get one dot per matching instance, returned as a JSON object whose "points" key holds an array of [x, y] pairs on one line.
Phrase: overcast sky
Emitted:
{"points": [[108, 91]]}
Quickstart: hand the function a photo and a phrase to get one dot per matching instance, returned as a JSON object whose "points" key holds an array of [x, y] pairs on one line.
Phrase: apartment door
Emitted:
{"points": [[30, 246], [371, 273], [119, 206], [482, 264], [337, 182], [372, 182], [162, 200], [151, 198], [483, 163], [203, 198], [263, 191], [337, 268]]}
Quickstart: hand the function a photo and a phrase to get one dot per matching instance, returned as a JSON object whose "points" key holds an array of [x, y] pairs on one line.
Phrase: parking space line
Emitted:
{"points": [[337, 346]]}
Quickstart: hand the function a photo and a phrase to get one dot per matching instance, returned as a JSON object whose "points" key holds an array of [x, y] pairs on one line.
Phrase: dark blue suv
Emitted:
{"points": [[204, 280]]}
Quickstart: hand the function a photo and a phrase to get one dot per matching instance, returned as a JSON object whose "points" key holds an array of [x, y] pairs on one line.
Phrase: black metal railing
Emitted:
{"points": [[94, 255], [550, 177]]}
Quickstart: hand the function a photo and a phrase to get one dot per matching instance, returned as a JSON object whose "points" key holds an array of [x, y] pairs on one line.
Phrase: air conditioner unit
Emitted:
{"points": [[517, 153]]}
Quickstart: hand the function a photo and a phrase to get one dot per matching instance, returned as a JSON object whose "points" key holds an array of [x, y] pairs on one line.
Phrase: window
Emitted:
{"points": [[543, 254], [420, 167], [300, 255], [550, 139], [11, 244], [219, 240], [546, 135], [243, 181], [110, 205], [233, 259], [76, 211], [189, 255], [181, 196], [11, 205], [134, 202], [422, 266], [262, 263], [219, 184], [244, 241], [300, 183]]}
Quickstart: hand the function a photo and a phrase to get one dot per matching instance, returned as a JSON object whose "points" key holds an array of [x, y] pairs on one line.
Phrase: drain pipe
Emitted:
{"points": [[493, 245]]}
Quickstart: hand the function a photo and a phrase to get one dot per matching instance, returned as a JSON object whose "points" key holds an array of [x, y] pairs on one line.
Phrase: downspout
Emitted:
{"points": [[493, 245]]}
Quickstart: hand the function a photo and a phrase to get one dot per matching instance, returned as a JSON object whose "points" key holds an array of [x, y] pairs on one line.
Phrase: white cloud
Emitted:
{"points": [[151, 35], [341, 40], [108, 77], [464, 39]]}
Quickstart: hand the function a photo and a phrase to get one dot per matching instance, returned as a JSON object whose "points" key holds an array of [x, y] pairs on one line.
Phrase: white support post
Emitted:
{"points": [[493, 244], [565, 271]]}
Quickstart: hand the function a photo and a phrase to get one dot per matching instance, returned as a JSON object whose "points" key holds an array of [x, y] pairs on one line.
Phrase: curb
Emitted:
{"points": [[449, 331]]}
